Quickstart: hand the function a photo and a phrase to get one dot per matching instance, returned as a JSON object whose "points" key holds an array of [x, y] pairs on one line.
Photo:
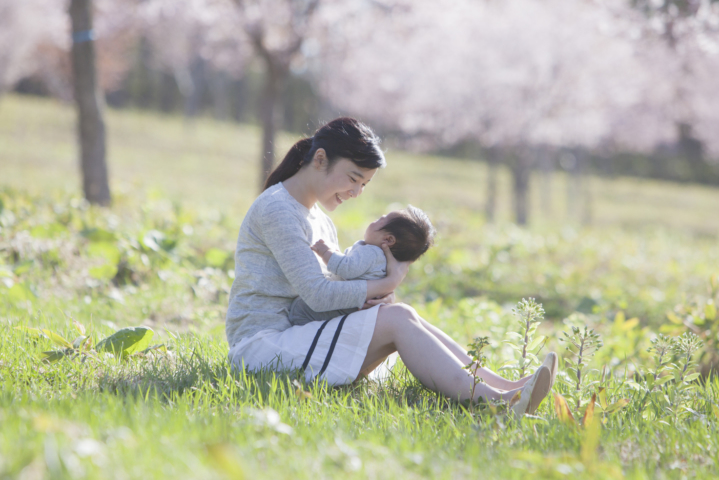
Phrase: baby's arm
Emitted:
{"points": [[355, 262], [325, 252]]}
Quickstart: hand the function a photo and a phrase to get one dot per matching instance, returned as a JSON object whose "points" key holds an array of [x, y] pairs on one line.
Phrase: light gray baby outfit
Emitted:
{"points": [[359, 262]]}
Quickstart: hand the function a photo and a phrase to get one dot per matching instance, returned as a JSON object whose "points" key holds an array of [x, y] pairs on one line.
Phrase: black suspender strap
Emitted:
{"points": [[314, 344], [332, 346]]}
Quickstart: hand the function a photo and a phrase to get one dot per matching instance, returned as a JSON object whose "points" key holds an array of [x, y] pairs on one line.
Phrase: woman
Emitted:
{"points": [[274, 264]]}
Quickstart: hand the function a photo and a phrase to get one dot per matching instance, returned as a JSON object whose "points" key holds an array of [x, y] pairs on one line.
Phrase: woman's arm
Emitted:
{"points": [[284, 233]]}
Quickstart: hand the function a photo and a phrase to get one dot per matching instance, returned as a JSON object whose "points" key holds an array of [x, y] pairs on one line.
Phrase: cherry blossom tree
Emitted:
{"points": [[186, 37], [276, 29], [510, 75], [22, 36], [687, 61]]}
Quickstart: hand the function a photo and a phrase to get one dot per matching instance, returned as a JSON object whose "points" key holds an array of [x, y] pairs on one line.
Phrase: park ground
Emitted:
{"points": [[161, 257]]}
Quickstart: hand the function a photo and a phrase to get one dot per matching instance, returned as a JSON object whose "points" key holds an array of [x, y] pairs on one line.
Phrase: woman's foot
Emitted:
{"points": [[522, 381], [551, 361], [533, 393]]}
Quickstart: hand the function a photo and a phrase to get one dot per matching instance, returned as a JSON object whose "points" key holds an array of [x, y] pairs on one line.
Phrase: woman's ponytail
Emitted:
{"points": [[291, 164], [341, 138]]}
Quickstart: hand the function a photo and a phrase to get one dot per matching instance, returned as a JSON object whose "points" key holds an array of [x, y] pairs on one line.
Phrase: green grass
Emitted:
{"points": [[161, 257]]}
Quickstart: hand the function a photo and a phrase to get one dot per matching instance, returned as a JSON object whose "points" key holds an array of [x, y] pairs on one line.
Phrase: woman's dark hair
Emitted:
{"points": [[413, 233], [343, 137]]}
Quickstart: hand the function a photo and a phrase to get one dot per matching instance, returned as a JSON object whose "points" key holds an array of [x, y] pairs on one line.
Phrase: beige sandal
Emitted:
{"points": [[551, 361], [533, 393]]}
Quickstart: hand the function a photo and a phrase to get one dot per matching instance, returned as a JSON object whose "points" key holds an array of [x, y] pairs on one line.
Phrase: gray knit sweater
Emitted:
{"points": [[359, 262], [274, 264]]}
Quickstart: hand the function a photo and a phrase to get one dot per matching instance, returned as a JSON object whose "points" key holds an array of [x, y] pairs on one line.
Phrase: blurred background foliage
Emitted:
{"points": [[632, 92]]}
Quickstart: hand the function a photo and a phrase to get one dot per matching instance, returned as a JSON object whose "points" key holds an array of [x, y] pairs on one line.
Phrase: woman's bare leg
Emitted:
{"points": [[492, 379], [400, 329]]}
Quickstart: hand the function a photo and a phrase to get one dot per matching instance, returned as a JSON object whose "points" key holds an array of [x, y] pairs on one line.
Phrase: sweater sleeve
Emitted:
{"points": [[283, 234], [353, 263]]}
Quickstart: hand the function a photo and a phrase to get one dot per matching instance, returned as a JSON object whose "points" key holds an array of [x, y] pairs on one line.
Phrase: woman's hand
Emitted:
{"points": [[389, 298], [396, 271], [382, 290]]}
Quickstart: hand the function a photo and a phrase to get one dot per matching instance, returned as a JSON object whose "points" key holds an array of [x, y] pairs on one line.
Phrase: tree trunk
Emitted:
{"points": [[196, 84], [269, 115], [576, 190], [490, 207], [585, 187], [221, 101], [569, 163], [88, 98], [521, 171], [547, 167]]}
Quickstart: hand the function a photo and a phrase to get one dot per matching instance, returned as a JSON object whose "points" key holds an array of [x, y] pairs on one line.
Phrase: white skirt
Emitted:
{"points": [[333, 350]]}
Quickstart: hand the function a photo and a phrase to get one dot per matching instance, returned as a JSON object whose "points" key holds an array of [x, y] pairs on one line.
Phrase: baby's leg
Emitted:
{"points": [[491, 378]]}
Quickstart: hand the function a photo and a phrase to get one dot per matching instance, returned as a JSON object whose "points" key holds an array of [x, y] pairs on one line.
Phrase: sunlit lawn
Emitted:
{"points": [[161, 257]]}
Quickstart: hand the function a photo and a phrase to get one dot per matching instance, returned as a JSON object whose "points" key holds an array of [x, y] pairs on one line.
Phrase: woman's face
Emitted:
{"points": [[345, 180]]}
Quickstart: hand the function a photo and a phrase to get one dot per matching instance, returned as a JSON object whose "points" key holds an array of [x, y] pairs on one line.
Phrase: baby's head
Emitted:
{"points": [[408, 232]]}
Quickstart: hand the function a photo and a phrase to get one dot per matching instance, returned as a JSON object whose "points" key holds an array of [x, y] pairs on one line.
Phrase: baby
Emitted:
{"points": [[408, 233]]}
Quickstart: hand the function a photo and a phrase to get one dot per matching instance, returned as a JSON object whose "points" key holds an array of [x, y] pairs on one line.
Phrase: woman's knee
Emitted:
{"points": [[398, 315]]}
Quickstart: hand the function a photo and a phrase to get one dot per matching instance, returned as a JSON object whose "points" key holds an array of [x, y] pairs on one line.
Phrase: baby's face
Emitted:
{"points": [[374, 235]]}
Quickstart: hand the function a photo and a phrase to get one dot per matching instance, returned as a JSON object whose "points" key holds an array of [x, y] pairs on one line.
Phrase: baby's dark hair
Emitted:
{"points": [[413, 233]]}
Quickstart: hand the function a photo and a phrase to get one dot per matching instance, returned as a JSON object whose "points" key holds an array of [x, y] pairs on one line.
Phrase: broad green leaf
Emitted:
{"points": [[602, 396], [536, 342], [78, 341], [633, 384], [618, 405], [216, 257], [20, 292], [52, 356], [157, 240], [105, 250], [710, 311], [691, 377], [34, 331], [103, 272], [79, 327], [674, 318], [57, 338], [589, 410], [98, 235], [49, 230], [631, 323], [126, 341], [671, 329], [562, 410], [590, 436], [225, 459], [664, 379], [23, 267]]}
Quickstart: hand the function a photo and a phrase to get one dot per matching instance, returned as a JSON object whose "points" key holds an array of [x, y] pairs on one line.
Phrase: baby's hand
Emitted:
{"points": [[322, 250], [320, 247]]}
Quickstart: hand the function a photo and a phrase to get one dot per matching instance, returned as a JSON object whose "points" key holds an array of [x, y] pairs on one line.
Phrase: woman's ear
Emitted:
{"points": [[319, 160], [390, 240]]}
